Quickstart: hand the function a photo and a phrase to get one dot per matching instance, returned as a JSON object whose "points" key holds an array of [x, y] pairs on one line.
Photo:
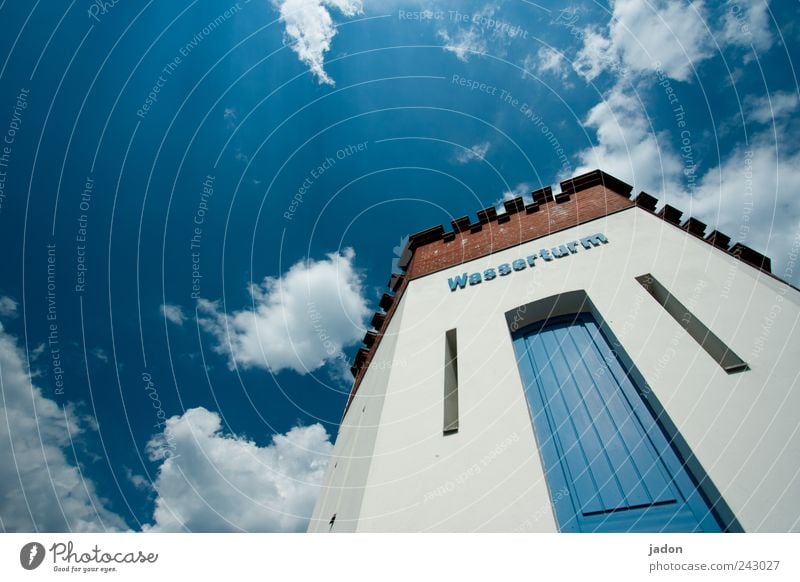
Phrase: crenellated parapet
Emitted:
{"points": [[583, 198]]}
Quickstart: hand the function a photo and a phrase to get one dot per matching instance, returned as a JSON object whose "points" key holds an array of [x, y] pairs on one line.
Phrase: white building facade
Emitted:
{"points": [[581, 363]]}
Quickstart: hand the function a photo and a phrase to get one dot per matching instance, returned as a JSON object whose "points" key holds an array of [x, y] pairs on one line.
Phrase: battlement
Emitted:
{"points": [[583, 198]]}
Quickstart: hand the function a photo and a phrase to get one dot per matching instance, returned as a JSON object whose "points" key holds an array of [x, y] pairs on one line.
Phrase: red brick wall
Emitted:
{"points": [[594, 202]]}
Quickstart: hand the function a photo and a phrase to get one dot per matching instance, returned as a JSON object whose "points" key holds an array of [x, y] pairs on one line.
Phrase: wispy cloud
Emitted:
{"points": [[240, 156], [549, 60], [772, 108], [173, 313], [746, 24], [522, 189], [8, 307], [473, 153], [310, 29], [230, 116], [463, 43]]}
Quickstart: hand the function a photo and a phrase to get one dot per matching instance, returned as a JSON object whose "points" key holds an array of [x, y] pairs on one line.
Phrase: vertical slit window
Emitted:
{"points": [[714, 346], [450, 382]]}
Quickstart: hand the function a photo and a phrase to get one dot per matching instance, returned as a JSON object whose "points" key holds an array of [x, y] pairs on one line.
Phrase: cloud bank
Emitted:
{"points": [[41, 488], [213, 482], [206, 480]]}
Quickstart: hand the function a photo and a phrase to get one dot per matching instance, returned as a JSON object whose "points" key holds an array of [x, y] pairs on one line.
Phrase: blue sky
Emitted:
{"points": [[200, 202]]}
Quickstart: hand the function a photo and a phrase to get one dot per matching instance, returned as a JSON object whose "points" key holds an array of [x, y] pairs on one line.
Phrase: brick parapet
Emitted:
{"points": [[582, 199]]}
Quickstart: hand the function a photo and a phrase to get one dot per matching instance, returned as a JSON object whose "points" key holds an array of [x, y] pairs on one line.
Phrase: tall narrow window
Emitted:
{"points": [[450, 382], [714, 346], [601, 444]]}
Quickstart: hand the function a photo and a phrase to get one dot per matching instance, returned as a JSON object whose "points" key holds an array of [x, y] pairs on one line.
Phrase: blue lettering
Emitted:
{"points": [[570, 248], [460, 281], [594, 240]]}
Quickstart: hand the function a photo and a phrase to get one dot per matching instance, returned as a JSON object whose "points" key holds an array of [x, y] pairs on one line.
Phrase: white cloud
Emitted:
{"points": [[481, 31], [339, 372], [241, 156], [211, 481], [776, 107], [8, 307], [549, 60], [138, 481], [747, 24], [523, 189], [627, 147], [173, 313], [752, 197], [595, 56], [40, 490], [230, 116], [398, 252], [464, 42], [667, 31], [647, 36], [310, 29], [474, 153], [529, 64], [299, 321], [671, 36], [37, 351]]}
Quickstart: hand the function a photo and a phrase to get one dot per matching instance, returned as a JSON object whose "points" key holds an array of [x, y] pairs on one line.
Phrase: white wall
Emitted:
{"points": [[347, 472], [743, 428]]}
